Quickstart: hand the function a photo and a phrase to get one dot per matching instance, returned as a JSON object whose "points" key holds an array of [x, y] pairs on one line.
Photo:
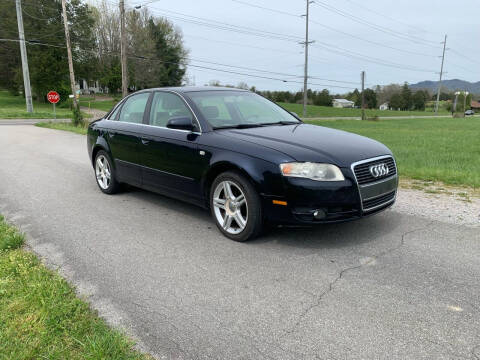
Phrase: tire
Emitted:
{"points": [[238, 215], [105, 173]]}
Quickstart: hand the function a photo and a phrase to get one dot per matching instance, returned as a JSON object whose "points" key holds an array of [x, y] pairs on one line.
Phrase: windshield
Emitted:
{"points": [[229, 109]]}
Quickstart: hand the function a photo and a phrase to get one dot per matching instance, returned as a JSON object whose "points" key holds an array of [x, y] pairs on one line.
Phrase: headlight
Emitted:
{"points": [[314, 171]]}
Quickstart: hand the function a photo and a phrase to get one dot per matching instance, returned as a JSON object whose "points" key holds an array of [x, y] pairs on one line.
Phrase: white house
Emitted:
{"points": [[343, 103], [384, 106], [89, 87]]}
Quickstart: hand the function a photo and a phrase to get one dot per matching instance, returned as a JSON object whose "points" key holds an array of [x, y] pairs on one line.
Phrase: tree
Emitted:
{"points": [[170, 56], [419, 100], [48, 58], [396, 101], [356, 97], [406, 93], [323, 98], [370, 99], [111, 76], [156, 55], [469, 101], [385, 93], [242, 85]]}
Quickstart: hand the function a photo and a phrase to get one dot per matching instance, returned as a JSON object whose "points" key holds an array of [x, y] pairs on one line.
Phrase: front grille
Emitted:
{"points": [[378, 201], [362, 171]]}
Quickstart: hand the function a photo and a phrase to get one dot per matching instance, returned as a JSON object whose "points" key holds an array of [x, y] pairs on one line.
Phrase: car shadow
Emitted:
{"points": [[314, 237], [333, 235]]}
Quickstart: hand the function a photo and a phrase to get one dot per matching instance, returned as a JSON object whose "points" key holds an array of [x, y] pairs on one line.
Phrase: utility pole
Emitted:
{"points": [[454, 108], [441, 73], [69, 53], [465, 94], [305, 76], [123, 49], [23, 53], [363, 96]]}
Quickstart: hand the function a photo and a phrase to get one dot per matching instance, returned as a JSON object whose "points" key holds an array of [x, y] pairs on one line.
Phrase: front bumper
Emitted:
{"points": [[313, 202]]}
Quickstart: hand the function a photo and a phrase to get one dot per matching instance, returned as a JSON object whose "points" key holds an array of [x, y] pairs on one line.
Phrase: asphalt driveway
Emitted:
{"points": [[391, 286]]}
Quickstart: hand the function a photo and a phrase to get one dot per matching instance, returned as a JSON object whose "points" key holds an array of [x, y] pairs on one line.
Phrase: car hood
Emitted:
{"points": [[305, 142]]}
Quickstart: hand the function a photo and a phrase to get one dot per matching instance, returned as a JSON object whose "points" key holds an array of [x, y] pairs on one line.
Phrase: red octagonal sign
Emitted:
{"points": [[53, 97]]}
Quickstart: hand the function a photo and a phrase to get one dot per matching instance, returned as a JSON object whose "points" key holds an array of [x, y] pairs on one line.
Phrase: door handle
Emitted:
{"points": [[145, 141]]}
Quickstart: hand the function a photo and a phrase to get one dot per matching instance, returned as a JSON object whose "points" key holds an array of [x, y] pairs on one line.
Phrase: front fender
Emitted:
{"points": [[264, 175]]}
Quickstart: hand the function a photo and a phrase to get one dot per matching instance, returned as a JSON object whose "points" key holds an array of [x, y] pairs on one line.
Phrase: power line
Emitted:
{"points": [[350, 54], [266, 8], [385, 30], [333, 29], [340, 51], [33, 42], [243, 45], [139, 57], [463, 56], [385, 16], [225, 26], [37, 18]]}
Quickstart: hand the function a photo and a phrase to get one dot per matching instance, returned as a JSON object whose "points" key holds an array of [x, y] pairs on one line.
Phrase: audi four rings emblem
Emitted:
{"points": [[378, 170]]}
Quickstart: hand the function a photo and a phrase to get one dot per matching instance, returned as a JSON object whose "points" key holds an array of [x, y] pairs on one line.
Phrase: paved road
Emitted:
{"points": [[391, 286]]}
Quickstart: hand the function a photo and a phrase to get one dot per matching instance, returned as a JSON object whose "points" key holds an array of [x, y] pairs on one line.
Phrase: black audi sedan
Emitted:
{"points": [[245, 158]]}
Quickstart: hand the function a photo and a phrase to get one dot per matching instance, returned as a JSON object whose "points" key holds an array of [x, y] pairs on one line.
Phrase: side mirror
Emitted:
{"points": [[180, 123], [295, 114]]}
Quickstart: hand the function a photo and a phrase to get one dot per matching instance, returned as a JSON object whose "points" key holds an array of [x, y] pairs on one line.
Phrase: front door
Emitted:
{"points": [[125, 130], [170, 158]]}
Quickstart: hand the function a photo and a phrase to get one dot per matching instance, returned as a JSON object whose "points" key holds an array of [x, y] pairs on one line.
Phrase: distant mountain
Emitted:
{"points": [[451, 85]]}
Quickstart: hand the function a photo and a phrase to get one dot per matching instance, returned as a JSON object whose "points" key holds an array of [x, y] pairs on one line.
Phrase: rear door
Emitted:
{"points": [[170, 158], [124, 138]]}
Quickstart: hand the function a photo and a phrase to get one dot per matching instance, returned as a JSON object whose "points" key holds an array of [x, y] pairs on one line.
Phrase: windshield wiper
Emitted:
{"points": [[283, 123], [239, 126]]}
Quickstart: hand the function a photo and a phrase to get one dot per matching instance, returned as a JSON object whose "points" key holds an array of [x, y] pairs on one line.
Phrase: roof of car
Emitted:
{"points": [[185, 89]]}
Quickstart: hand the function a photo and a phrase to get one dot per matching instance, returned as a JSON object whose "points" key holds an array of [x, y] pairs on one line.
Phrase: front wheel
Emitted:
{"points": [[236, 206]]}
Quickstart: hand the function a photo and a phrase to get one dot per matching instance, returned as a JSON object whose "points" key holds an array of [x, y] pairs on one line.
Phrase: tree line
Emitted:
{"points": [[397, 97], [156, 54]]}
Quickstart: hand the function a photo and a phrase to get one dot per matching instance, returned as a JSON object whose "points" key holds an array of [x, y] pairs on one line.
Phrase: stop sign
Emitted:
{"points": [[53, 97]]}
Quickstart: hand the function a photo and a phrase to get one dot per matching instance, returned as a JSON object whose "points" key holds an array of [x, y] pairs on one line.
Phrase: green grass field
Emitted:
{"points": [[328, 111], [41, 316], [65, 126], [12, 107], [437, 149], [104, 105]]}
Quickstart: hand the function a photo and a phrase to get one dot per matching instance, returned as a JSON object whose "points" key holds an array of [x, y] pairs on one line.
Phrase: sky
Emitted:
{"points": [[393, 41]]}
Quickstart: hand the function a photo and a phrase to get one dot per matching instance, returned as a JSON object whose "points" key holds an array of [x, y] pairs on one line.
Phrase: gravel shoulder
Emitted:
{"points": [[453, 205], [94, 113]]}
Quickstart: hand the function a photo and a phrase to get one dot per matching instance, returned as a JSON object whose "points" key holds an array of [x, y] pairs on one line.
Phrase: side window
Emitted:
{"points": [[166, 106], [113, 115], [133, 109]]}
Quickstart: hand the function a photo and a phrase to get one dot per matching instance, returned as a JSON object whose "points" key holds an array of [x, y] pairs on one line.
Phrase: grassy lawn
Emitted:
{"points": [[42, 318], [12, 107], [66, 126], [104, 105], [437, 149], [328, 111]]}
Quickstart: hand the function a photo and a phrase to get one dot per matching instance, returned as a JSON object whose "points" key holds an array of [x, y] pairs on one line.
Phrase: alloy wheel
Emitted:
{"points": [[103, 172], [230, 207]]}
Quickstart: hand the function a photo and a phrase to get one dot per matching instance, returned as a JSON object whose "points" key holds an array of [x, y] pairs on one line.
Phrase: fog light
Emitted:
{"points": [[319, 214]]}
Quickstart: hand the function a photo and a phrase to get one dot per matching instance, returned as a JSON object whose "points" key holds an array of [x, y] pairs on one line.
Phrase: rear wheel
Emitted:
{"points": [[236, 206], [105, 174]]}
